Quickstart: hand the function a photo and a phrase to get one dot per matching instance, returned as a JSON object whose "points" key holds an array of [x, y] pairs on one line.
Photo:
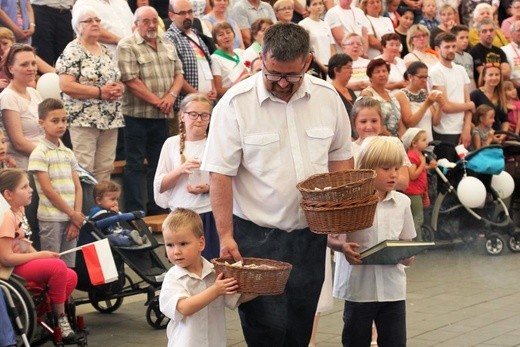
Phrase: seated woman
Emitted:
{"points": [[16, 251]]}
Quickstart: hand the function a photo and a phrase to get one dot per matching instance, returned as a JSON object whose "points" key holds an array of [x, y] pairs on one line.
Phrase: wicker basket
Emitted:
{"points": [[256, 280], [341, 185], [326, 217]]}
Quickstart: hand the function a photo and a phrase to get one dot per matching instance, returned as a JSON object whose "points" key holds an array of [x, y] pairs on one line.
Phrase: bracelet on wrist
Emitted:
{"points": [[174, 95], [99, 97]]}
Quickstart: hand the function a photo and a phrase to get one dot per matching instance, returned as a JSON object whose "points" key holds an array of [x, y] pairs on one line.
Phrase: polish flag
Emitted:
{"points": [[100, 262]]}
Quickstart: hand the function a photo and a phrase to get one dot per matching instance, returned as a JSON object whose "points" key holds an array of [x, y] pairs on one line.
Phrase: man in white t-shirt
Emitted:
{"points": [[453, 81], [344, 19]]}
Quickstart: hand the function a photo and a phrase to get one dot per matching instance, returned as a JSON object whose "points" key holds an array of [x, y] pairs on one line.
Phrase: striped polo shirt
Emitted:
{"points": [[59, 162]]}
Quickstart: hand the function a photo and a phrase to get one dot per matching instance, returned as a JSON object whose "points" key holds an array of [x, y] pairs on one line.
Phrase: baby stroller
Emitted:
{"points": [[512, 153], [143, 260], [459, 211], [29, 308]]}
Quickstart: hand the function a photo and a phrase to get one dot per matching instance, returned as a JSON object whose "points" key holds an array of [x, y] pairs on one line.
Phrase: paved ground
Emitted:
{"points": [[457, 296]]}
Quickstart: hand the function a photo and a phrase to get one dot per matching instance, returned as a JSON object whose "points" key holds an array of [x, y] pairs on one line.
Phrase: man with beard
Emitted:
{"points": [[485, 53], [269, 132], [152, 74], [452, 80], [193, 53]]}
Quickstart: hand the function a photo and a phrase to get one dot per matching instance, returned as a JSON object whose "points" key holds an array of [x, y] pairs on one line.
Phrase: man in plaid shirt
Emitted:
{"points": [[153, 75], [192, 50]]}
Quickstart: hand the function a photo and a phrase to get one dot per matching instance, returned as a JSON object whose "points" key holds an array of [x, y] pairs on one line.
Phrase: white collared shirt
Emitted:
{"points": [[205, 328], [377, 283], [269, 146]]}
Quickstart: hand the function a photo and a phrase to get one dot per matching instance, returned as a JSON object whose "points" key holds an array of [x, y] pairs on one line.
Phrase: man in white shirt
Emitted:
{"points": [[344, 19], [456, 108], [268, 133], [512, 52]]}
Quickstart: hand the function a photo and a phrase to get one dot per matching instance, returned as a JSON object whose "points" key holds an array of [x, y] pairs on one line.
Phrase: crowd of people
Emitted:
{"points": [[143, 81]]}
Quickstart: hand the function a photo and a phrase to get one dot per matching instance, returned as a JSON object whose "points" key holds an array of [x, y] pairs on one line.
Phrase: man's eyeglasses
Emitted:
{"points": [[91, 20], [183, 13], [194, 115], [275, 77]]}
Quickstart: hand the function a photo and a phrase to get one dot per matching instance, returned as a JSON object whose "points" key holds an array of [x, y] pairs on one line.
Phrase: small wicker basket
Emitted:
{"points": [[259, 281], [340, 185], [340, 217]]}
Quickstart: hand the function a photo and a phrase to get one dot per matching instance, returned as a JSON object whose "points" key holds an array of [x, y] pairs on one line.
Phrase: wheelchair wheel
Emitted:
{"points": [[105, 305], [155, 318], [494, 244], [23, 304]]}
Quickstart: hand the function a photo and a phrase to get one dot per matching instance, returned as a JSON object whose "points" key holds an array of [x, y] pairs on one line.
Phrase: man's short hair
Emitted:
{"points": [[459, 28], [49, 105], [485, 21], [444, 37], [286, 42]]}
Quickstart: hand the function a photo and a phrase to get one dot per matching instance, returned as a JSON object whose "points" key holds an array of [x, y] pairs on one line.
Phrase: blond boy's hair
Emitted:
{"points": [[380, 152], [183, 218]]}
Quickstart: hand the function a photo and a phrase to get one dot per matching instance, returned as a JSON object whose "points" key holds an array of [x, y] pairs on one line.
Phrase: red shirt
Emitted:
{"points": [[419, 185]]}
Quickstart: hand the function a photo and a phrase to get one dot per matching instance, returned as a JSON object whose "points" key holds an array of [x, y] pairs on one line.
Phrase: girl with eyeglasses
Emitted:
{"points": [[178, 181]]}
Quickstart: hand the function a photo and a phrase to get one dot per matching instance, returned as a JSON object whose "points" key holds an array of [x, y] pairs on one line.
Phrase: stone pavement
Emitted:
{"points": [[457, 296]]}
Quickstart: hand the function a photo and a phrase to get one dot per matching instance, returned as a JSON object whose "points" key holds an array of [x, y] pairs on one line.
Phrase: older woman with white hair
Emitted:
{"points": [[485, 11], [89, 79]]}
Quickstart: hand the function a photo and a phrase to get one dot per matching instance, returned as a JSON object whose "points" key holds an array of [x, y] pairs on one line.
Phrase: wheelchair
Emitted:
{"points": [[30, 311]]}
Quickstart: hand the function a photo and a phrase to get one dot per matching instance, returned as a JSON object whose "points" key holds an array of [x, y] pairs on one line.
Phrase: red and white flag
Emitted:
{"points": [[100, 262]]}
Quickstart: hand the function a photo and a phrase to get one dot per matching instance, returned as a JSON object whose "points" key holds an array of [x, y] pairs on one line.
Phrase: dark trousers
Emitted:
{"points": [[53, 32], [389, 317], [143, 139], [286, 319]]}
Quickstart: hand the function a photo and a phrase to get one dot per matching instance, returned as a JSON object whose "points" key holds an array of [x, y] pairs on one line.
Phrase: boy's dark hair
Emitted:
{"points": [[458, 28], [104, 187], [444, 37], [47, 106]]}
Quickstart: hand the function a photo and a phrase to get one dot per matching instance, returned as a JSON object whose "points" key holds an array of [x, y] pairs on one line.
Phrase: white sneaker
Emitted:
{"points": [[66, 331]]}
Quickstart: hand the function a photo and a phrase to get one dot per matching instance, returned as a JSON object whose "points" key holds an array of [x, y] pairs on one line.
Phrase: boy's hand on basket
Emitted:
{"points": [[225, 286], [351, 255]]}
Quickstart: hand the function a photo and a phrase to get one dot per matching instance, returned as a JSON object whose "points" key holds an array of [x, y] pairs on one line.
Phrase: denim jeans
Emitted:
{"points": [[390, 319], [286, 319], [143, 139]]}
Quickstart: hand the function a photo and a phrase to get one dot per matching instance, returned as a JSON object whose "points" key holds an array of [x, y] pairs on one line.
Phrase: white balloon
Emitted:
{"points": [[503, 184], [471, 192], [48, 86]]}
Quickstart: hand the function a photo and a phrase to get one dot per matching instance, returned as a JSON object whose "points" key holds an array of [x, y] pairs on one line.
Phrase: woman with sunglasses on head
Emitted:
{"points": [[178, 180], [90, 81]]}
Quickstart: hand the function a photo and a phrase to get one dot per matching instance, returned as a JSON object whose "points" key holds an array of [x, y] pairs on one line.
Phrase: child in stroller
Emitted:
{"points": [[106, 196]]}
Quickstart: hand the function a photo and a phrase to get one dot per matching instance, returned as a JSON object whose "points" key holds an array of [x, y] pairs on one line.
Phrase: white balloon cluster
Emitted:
{"points": [[472, 192]]}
